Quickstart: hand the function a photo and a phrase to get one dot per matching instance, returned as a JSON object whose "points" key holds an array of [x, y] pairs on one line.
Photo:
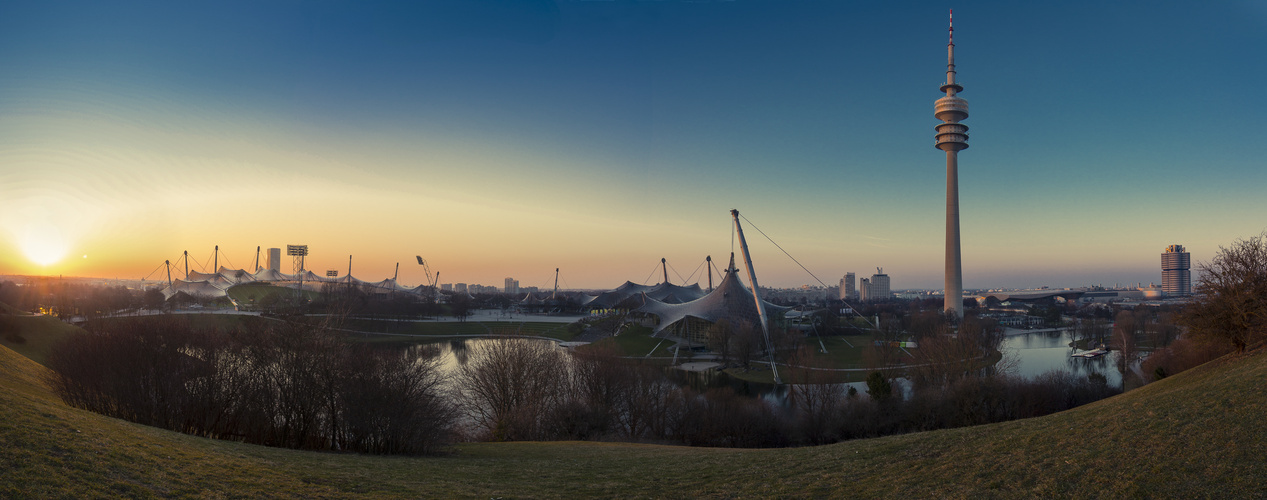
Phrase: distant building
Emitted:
{"points": [[512, 286], [476, 288], [876, 287], [1176, 273], [274, 260], [848, 290], [448, 287], [459, 287]]}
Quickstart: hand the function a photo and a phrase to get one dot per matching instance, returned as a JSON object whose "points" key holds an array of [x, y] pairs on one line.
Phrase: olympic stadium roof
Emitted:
{"points": [[731, 300]]}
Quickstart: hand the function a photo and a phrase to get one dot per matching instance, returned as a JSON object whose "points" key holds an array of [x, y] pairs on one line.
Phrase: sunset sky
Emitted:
{"points": [[504, 139]]}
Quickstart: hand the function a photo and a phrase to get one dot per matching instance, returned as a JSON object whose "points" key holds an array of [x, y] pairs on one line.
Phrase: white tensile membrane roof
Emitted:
{"points": [[663, 292], [731, 300], [214, 285]]}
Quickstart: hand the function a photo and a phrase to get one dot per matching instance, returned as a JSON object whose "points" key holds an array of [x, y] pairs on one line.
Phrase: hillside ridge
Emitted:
{"points": [[1195, 434]]}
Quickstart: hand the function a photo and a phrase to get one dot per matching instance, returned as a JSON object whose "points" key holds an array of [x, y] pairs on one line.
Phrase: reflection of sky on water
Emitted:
{"points": [[1038, 353], [1033, 354]]}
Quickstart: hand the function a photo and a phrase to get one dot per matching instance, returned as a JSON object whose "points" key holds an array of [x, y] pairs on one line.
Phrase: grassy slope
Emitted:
{"points": [[8, 309], [40, 335], [1197, 434], [636, 341]]}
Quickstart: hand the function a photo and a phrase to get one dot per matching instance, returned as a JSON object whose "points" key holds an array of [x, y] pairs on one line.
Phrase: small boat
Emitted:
{"points": [[1090, 354]]}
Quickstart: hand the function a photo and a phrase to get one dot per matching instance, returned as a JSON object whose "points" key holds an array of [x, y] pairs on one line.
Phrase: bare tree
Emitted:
{"points": [[294, 386], [1231, 300], [946, 356], [509, 385], [816, 399], [1125, 334], [746, 343], [720, 339]]}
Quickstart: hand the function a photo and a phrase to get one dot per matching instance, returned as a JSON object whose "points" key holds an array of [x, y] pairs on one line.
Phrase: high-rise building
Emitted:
{"points": [[952, 137], [1176, 273], [880, 284], [847, 287], [459, 287], [512, 285], [274, 262], [876, 287]]}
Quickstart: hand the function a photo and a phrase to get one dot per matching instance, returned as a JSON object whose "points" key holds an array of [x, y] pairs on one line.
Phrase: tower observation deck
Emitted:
{"points": [[952, 137]]}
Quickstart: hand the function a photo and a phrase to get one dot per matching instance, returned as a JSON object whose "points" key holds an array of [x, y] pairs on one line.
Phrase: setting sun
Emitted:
{"points": [[43, 244]]}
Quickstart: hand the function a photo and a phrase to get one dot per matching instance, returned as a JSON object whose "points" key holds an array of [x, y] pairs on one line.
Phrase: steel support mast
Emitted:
{"points": [[756, 295]]}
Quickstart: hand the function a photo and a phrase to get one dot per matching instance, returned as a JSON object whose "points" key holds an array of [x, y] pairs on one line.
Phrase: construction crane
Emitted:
{"points": [[432, 280]]}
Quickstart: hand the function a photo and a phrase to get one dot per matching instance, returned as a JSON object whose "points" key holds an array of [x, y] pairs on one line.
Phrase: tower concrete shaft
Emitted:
{"points": [[952, 137]]}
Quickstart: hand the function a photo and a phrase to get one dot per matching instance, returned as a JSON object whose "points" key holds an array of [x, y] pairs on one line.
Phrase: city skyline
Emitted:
{"points": [[599, 137]]}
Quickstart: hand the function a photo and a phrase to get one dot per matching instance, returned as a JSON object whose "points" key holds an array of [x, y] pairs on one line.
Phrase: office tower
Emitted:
{"points": [[1176, 274], [876, 287], [274, 262], [847, 287]]}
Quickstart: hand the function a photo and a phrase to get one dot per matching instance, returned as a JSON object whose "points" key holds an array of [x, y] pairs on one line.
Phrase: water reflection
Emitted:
{"points": [[454, 353], [1029, 355], [458, 348], [1037, 353], [716, 379]]}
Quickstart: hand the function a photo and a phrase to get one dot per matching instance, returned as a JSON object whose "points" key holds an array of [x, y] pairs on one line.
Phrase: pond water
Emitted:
{"points": [[1028, 355], [1034, 354], [453, 353]]}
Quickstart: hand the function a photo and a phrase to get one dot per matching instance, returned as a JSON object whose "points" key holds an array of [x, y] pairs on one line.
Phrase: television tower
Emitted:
{"points": [[952, 137]]}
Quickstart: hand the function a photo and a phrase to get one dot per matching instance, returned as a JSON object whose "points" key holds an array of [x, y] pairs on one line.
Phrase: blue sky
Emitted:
{"points": [[509, 138]]}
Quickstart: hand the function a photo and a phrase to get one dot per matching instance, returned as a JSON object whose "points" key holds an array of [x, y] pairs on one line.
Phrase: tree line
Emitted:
{"points": [[63, 299], [277, 385], [1229, 313], [297, 386], [519, 389]]}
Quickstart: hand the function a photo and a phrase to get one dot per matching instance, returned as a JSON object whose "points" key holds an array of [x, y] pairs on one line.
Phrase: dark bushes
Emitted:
{"points": [[518, 389], [288, 386], [971, 401], [301, 387], [1181, 355]]}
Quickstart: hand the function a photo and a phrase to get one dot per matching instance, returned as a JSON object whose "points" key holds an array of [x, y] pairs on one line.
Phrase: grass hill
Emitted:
{"points": [[1196, 434], [34, 336]]}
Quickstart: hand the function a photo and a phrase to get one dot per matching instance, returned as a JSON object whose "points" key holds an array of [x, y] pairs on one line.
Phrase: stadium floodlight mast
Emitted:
{"points": [[298, 252]]}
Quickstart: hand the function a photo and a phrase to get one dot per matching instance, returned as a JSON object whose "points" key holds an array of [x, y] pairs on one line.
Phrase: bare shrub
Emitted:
{"points": [[509, 386], [394, 403], [815, 400], [1182, 355], [291, 386], [1231, 300], [944, 357], [722, 418]]}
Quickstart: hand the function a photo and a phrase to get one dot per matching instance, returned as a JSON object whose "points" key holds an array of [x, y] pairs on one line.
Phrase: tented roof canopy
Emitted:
{"points": [[664, 292], [202, 288], [731, 300]]}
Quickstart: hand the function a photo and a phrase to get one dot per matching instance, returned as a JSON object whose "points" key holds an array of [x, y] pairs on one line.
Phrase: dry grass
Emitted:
{"points": [[38, 335], [1196, 434]]}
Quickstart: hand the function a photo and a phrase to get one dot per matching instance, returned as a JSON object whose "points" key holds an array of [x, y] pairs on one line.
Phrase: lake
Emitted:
{"points": [[1029, 354], [1037, 353]]}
